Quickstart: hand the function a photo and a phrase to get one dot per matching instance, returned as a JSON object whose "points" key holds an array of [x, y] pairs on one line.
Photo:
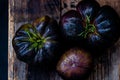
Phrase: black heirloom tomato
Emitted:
{"points": [[37, 42], [97, 26]]}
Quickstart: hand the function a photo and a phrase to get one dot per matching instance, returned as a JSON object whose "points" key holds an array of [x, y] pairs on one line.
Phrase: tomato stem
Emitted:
{"points": [[89, 28]]}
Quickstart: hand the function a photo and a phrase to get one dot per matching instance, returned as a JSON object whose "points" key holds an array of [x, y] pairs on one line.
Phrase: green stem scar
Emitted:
{"points": [[36, 40], [89, 28]]}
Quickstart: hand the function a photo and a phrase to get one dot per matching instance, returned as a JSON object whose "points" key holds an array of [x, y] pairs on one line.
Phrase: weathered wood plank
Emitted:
{"points": [[27, 10], [17, 69], [10, 50], [107, 67]]}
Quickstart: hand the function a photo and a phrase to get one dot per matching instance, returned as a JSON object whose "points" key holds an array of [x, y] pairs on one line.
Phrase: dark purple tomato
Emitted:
{"points": [[37, 43], [75, 64], [71, 26], [97, 27]]}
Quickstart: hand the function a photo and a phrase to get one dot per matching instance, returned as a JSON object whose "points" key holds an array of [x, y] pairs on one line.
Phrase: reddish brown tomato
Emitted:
{"points": [[75, 64]]}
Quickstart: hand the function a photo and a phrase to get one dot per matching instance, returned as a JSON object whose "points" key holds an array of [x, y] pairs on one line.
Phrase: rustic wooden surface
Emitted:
{"points": [[107, 67]]}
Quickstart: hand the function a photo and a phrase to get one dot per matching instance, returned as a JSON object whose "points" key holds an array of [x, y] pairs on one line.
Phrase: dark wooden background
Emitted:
{"points": [[107, 67]]}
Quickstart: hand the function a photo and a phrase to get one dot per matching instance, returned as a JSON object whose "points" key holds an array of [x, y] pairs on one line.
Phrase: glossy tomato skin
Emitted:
{"points": [[99, 26], [21, 44], [71, 26], [88, 8], [37, 42], [107, 28]]}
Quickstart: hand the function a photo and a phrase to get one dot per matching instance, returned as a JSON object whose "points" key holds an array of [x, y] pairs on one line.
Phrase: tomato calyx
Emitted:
{"points": [[35, 39], [89, 28]]}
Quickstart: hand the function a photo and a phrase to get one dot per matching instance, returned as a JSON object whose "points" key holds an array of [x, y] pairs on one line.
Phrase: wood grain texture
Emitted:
{"points": [[16, 69], [107, 67]]}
